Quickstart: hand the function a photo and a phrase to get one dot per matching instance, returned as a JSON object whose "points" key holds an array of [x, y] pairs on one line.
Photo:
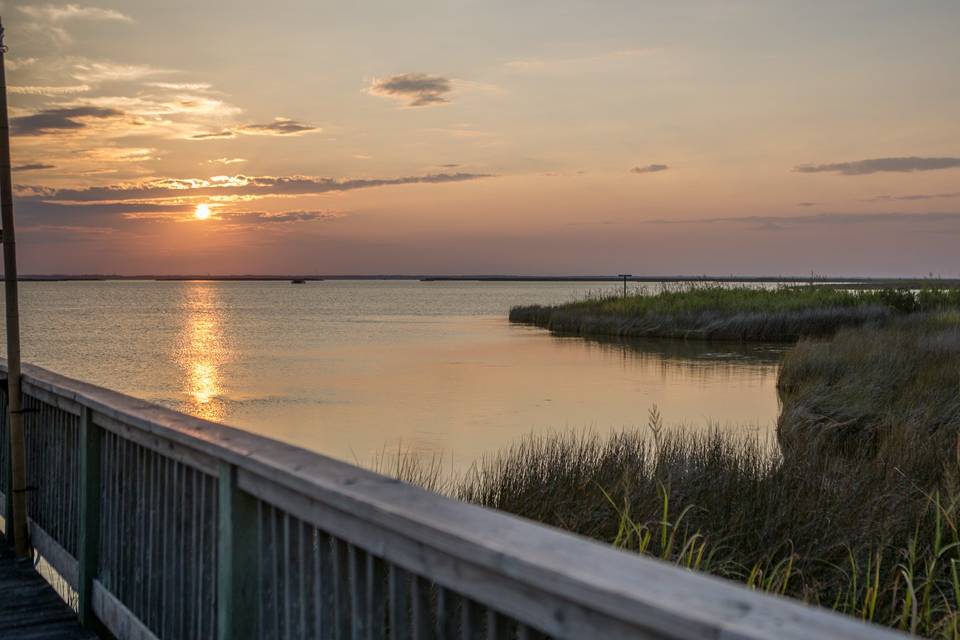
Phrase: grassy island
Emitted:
{"points": [[716, 312]]}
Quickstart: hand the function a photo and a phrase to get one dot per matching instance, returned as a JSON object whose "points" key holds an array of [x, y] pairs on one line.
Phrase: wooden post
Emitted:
{"points": [[89, 542], [18, 463], [237, 551], [625, 276]]}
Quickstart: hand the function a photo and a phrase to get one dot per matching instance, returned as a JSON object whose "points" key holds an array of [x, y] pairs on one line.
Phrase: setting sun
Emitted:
{"points": [[202, 212]]}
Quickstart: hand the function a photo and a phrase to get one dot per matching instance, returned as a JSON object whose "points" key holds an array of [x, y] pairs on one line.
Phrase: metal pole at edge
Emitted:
{"points": [[17, 524]]}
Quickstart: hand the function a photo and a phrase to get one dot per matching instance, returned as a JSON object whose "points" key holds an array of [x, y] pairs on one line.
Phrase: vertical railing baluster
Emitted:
{"points": [[89, 527], [317, 600], [357, 573], [419, 607], [326, 586], [165, 544], [302, 595], [376, 597], [60, 477], [107, 508], [201, 554], [193, 584], [186, 596], [75, 478], [275, 571], [492, 625], [262, 570], [213, 528], [115, 530], [284, 558], [341, 589], [440, 619], [153, 497], [445, 613], [179, 557], [498, 626], [237, 552], [36, 452], [471, 625], [139, 598], [399, 590], [123, 564]]}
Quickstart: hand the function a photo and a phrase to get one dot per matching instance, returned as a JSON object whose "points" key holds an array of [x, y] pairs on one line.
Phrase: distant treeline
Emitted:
{"points": [[820, 280]]}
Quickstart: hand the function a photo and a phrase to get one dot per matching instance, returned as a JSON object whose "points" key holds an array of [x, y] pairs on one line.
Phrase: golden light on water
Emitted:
{"points": [[201, 352], [202, 212], [203, 378]]}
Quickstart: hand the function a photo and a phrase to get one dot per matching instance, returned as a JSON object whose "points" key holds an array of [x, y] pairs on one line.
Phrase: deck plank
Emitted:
{"points": [[29, 607]]}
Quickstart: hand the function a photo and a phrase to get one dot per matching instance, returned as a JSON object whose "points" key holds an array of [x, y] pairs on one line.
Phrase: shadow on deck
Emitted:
{"points": [[29, 607]]}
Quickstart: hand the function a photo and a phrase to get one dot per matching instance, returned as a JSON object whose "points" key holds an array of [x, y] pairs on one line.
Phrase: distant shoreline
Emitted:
{"points": [[821, 280]]}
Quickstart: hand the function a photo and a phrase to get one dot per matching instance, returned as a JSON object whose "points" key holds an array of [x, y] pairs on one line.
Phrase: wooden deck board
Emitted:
{"points": [[29, 607]]}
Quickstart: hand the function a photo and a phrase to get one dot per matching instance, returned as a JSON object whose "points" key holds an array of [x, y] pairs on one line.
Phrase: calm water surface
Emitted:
{"points": [[356, 368]]}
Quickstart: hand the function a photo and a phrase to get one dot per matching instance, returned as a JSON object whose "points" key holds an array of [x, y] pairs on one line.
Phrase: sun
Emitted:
{"points": [[202, 212]]}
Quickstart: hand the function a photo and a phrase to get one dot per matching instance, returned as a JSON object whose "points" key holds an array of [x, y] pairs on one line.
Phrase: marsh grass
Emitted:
{"points": [[873, 537], [873, 532], [716, 312], [849, 392]]}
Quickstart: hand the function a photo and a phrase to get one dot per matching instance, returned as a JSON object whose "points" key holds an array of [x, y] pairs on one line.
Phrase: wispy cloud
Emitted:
{"points": [[226, 160], [181, 86], [877, 165], [65, 12], [772, 222], [230, 186], [33, 166], [417, 89], [214, 135], [49, 90], [257, 217], [58, 120], [13, 64], [279, 127], [914, 196], [95, 72], [650, 168]]}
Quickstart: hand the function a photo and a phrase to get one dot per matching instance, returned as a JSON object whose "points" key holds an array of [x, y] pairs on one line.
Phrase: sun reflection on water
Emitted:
{"points": [[202, 352]]}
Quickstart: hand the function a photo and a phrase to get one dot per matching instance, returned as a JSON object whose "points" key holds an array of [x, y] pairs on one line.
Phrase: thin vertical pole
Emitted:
{"points": [[624, 277], [18, 463]]}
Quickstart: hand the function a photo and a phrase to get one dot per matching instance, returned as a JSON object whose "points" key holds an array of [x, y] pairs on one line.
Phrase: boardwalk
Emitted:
{"points": [[29, 607], [168, 526]]}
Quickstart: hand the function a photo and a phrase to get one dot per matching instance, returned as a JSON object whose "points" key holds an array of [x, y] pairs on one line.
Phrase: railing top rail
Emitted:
{"points": [[647, 595]]}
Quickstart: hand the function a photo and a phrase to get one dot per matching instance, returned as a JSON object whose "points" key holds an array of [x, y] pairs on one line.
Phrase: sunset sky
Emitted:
{"points": [[722, 137]]}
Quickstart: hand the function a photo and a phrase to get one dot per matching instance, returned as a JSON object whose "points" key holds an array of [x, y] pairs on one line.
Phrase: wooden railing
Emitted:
{"points": [[167, 526]]}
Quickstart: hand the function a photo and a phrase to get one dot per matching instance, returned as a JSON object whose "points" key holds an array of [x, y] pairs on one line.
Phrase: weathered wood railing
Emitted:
{"points": [[167, 526]]}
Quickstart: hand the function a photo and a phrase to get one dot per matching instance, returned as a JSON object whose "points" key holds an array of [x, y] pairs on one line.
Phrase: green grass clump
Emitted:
{"points": [[716, 312], [874, 537]]}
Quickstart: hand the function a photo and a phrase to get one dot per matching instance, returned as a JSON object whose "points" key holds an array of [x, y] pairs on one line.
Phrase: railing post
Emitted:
{"points": [[89, 538], [237, 549]]}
